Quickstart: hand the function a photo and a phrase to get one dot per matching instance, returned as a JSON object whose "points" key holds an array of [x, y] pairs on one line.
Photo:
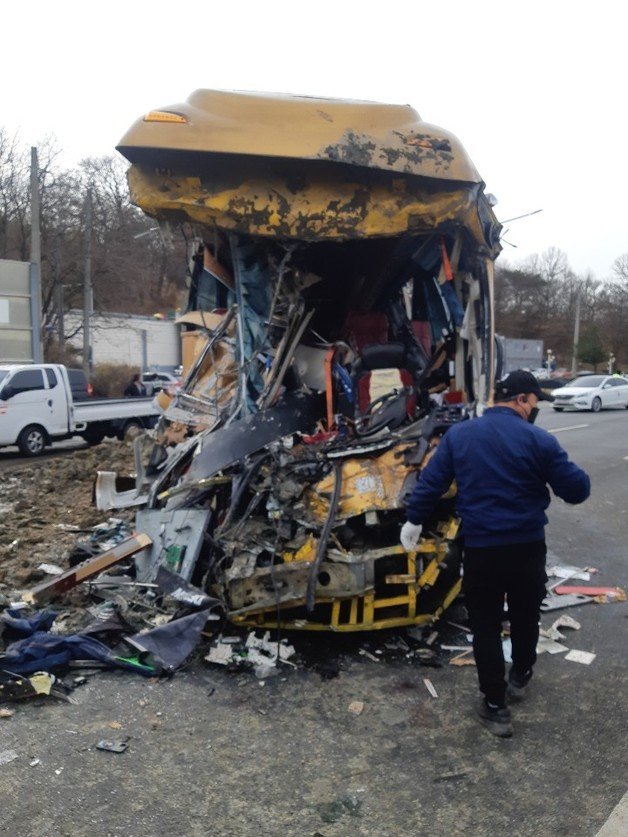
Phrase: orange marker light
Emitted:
{"points": [[165, 116]]}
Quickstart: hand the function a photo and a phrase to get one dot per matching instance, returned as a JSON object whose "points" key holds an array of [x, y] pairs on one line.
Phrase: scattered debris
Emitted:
{"points": [[460, 627], [110, 746], [259, 653], [221, 654], [610, 596], [584, 657], [556, 602], [566, 621], [563, 621], [551, 646], [356, 707], [51, 569], [464, 659], [273, 650], [82, 572], [562, 571], [42, 682], [605, 594], [430, 687]]}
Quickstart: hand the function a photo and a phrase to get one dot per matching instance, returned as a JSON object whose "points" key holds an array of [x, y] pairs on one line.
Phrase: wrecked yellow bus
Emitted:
{"points": [[339, 322]]}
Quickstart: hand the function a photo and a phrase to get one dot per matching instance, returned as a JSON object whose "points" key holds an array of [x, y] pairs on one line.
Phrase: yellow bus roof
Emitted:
{"points": [[392, 138]]}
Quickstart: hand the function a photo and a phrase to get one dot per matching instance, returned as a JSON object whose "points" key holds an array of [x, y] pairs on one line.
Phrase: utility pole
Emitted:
{"points": [[59, 298], [88, 295], [35, 263], [576, 335]]}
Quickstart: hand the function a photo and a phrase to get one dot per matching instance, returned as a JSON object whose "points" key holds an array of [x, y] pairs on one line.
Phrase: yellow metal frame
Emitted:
{"points": [[372, 603]]}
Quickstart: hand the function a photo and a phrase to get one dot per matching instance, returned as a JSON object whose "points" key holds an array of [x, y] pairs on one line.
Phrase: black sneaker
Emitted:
{"points": [[516, 688], [496, 720]]}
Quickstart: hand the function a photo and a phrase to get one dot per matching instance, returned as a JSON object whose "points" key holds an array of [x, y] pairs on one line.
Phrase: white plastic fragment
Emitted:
{"points": [[550, 645], [430, 687], [272, 649], [563, 621], [220, 653], [584, 657], [566, 621], [564, 571], [51, 569]]}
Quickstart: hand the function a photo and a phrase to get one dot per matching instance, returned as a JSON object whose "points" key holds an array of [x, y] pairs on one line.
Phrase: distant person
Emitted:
{"points": [[502, 466], [135, 388]]}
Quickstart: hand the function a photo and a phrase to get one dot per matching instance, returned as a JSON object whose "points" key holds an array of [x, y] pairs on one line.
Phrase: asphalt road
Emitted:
{"points": [[211, 753]]}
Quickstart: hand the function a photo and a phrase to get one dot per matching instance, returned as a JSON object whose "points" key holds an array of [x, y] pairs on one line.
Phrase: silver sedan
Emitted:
{"points": [[592, 392]]}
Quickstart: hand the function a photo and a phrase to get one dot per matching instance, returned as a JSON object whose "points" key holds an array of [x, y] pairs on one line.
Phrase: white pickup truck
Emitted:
{"points": [[36, 408]]}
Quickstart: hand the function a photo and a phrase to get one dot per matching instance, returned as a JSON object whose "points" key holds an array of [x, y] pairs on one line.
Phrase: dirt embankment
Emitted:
{"points": [[47, 504]]}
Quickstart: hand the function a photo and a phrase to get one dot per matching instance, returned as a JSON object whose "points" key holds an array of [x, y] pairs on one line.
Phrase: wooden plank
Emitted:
{"points": [[88, 569]]}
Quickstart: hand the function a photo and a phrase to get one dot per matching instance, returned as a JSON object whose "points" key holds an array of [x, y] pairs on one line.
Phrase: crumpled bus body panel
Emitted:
{"points": [[303, 168], [326, 205], [339, 322]]}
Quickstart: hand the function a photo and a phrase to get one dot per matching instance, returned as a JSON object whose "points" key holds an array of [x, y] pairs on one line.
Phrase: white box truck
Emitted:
{"points": [[37, 408]]}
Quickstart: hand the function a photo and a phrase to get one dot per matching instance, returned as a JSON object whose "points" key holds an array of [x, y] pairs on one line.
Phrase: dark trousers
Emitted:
{"points": [[515, 572]]}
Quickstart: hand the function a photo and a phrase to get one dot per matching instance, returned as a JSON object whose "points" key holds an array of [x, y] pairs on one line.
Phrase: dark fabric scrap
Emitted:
{"points": [[172, 643], [17, 626], [45, 652]]}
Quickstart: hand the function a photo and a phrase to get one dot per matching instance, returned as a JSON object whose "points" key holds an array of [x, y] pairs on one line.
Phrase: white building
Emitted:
{"points": [[132, 339]]}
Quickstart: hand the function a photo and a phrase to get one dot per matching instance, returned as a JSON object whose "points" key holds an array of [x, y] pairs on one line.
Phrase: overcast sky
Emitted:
{"points": [[536, 91]]}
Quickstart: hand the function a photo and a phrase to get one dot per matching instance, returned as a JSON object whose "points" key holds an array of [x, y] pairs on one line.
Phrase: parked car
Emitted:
{"points": [[37, 407], [80, 386], [593, 392], [156, 381]]}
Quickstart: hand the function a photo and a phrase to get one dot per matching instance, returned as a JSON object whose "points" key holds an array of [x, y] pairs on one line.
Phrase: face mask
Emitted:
{"points": [[533, 414]]}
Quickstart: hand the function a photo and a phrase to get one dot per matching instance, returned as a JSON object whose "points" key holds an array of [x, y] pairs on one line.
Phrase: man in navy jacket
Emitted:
{"points": [[502, 465]]}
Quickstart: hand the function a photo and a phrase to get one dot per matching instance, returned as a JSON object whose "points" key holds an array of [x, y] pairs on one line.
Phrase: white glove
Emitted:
{"points": [[410, 534]]}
